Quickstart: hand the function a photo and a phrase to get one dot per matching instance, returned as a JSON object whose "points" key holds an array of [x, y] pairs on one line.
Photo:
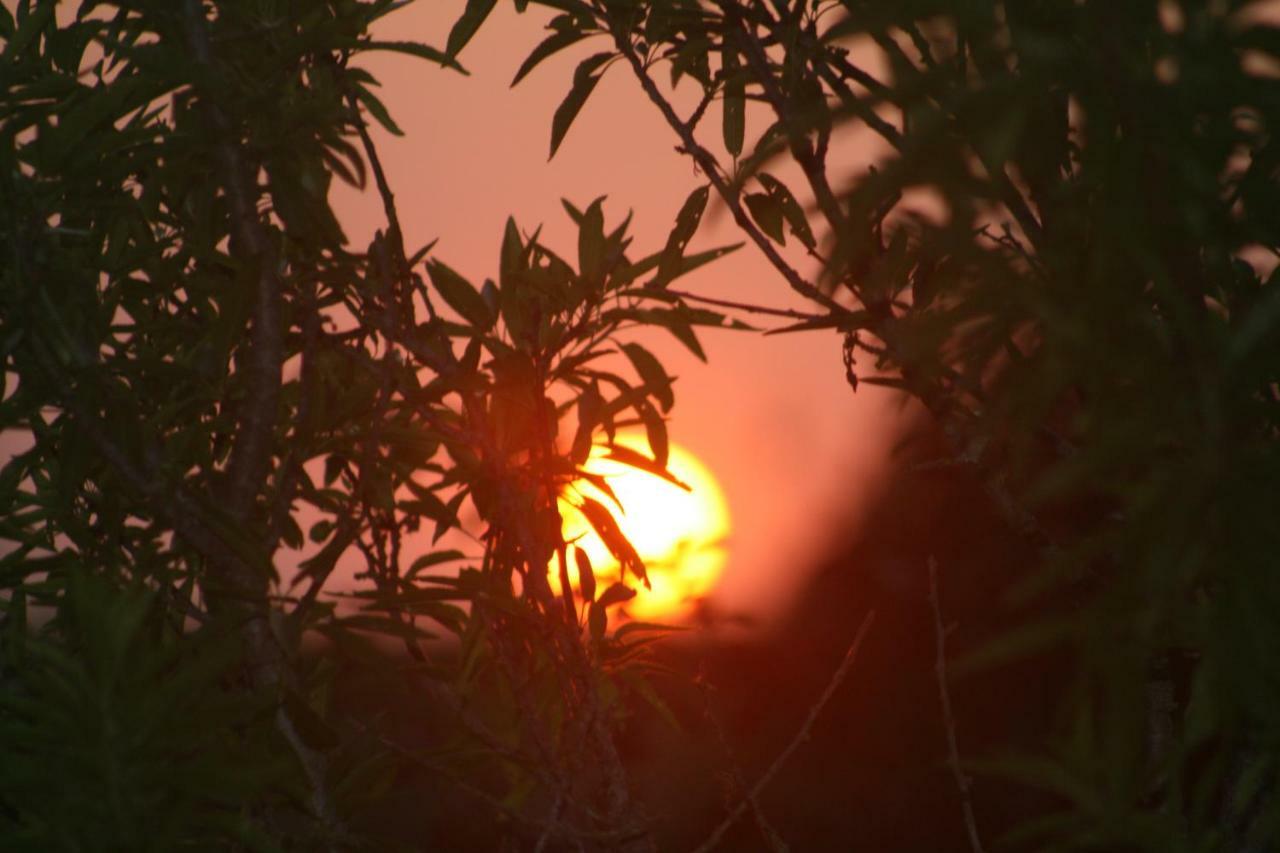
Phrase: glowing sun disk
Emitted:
{"points": [[680, 535]]}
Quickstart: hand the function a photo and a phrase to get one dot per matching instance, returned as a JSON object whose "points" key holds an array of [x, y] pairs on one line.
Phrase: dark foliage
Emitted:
{"points": [[196, 359]]}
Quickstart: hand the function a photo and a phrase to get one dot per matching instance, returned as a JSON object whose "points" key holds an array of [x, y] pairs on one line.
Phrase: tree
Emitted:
{"points": [[200, 359], [202, 362], [1079, 314]]}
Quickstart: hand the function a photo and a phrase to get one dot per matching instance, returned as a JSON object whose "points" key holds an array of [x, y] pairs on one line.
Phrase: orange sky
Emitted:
{"points": [[796, 453]]}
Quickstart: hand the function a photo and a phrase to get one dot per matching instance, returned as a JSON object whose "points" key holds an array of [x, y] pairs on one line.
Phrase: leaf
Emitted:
{"points": [[29, 28], [468, 25], [460, 295], [512, 254], [767, 213], [586, 576], [735, 101], [688, 264], [791, 209], [615, 594], [413, 48], [553, 44], [627, 456], [377, 109], [426, 561], [584, 82], [656, 431], [652, 373], [590, 402], [321, 531], [443, 525], [682, 232], [598, 622], [647, 627], [614, 539], [591, 244]]}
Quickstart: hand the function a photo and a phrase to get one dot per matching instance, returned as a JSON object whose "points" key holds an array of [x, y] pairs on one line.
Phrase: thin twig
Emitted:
{"points": [[963, 782], [746, 307], [837, 678], [770, 835]]}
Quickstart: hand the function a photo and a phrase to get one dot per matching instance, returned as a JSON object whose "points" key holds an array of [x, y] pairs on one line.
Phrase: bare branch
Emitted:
{"points": [[770, 835], [837, 678], [963, 782], [746, 307]]}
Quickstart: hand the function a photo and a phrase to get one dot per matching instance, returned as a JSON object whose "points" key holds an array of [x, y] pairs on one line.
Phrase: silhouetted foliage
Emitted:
{"points": [[1066, 258]]}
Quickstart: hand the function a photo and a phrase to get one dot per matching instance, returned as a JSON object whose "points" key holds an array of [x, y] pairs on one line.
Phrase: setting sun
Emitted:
{"points": [[680, 535]]}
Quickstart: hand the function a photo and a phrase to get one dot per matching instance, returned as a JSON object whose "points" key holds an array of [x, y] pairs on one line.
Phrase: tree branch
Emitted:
{"points": [[963, 783], [251, 454], [837, 678]]}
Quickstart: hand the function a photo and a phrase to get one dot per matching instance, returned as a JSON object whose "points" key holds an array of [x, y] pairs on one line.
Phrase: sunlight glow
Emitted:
{"points": [[679, 535]]}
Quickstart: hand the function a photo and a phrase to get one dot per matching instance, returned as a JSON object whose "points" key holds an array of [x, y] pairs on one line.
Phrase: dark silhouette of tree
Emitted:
{"points": [[198, 361]]}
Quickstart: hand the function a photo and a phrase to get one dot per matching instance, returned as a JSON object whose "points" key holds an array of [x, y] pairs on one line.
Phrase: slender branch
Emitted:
{"points": [[837, 678], [746, 307], [963, 782], [797, 137], [251, 455], [767, 832], [711, 168]]}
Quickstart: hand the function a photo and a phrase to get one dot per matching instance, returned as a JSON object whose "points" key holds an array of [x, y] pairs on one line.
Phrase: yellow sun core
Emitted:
{"points": [[680, 535]]}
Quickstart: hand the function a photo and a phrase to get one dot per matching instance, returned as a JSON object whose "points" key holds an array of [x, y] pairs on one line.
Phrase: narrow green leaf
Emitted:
{"points": [[584, 82], [767, 213], [29, 29], [413, 48], [468, 25], [635, 459], [656, 430], [553, 44], [460, 295], [377, 109], [615, 594], [586, 576], [614, 539], [512, 254], [652, 373], [426, 561], [591, 243], [686, 265], [791, 209], [590, 403], [735, 101], [321, 531], [682, 232]]}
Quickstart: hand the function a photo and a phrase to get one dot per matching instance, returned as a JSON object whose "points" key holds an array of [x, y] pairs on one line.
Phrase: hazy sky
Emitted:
{"points": [[796, 452]]}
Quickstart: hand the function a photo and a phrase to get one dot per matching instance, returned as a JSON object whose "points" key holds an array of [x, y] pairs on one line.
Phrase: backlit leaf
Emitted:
{"points": [[735, 101], [460, 295], [468, 25], [767, 213], [652, 373], [584, 82], [598, 515], [553, 44], [791, 209], [586, 576]]}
